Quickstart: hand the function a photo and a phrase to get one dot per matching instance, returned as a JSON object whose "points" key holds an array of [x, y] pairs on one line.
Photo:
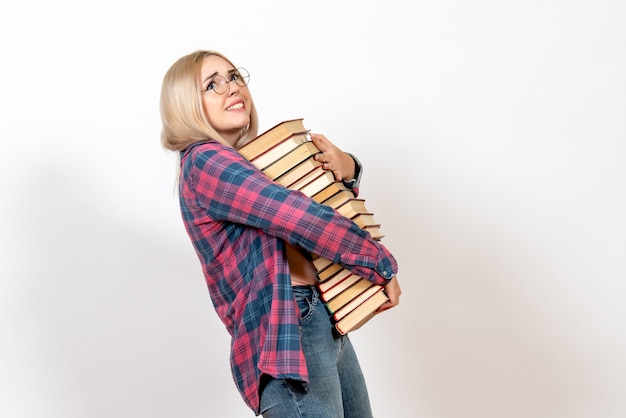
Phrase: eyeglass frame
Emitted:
{"points": [[245, 79]]}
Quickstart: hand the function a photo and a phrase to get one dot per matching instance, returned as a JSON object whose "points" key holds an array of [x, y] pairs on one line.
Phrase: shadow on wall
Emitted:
{"points": [[116, 316]]}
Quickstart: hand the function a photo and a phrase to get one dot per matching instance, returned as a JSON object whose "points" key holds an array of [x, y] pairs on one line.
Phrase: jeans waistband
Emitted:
{"points": [[304, 290]]}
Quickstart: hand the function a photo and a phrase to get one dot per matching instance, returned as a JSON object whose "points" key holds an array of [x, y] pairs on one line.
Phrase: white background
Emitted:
{"points": [[493, 139]]}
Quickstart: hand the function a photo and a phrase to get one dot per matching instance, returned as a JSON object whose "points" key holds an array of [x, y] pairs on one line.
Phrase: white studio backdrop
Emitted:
{"points": [[492, 135]]}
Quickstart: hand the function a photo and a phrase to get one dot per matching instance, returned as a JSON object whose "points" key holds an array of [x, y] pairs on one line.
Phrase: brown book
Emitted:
{"points": [[374, 231], [340, 198], [276, 153], [318, 184], [340, 301], [329, 191], [306, 179], [290, 160], [297, 172], [362, 313], [321, 263], [273, 137], [339, 287], [360, 298], [364, 220], [352, 207], [329, 272], [334, 280]]}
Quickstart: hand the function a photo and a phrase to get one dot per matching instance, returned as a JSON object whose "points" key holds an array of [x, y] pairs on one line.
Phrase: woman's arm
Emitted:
{"points": [[231, 189]]}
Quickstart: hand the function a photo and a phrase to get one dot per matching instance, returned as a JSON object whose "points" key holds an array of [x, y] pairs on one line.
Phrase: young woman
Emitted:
{"points": [[254, 239]]}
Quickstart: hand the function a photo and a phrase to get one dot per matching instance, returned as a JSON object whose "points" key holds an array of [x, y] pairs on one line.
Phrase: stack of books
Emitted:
{"points": [[285, 154]]}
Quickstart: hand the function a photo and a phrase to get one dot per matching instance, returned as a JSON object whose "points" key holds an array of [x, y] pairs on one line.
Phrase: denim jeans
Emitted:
{"points": [[336, 386]]}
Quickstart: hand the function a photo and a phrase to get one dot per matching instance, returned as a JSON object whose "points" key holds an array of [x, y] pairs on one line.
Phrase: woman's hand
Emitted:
{"points": [[393, 291], [332, 158]]}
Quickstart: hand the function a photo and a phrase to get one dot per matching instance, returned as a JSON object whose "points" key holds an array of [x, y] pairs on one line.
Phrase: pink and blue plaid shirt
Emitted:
{"points": [[238, 221]]}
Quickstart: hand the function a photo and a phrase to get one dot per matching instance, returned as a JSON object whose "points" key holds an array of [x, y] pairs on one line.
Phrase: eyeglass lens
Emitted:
{"points": [[220, 84]]}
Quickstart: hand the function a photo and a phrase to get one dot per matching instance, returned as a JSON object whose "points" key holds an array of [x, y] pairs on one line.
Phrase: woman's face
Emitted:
{"points": [[229, 112]]}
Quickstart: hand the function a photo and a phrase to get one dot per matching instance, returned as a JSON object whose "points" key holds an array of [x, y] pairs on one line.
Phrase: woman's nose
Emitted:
{"points": [[232, 88]]}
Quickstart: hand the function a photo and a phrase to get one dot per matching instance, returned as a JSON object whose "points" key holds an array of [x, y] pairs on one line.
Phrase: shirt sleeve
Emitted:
{"points": [[231, 189], [358, 172]]}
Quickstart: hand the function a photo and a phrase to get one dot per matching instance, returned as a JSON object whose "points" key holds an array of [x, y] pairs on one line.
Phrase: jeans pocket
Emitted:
{"points": [[306, 300]]}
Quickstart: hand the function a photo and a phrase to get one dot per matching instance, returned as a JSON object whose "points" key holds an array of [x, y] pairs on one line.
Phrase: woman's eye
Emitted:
{"points": [[235, 77], [211, 86]]}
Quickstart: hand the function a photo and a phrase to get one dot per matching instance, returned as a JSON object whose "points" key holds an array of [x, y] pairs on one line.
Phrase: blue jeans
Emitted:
{"points": [[336, 386]]}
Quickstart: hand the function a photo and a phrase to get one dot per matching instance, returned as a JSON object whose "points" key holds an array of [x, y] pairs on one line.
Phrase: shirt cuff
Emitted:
{"points": [[358, 171]]}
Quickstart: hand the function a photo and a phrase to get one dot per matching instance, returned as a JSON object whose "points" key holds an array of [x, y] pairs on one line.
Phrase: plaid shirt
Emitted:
{"points": [[238, 221]]}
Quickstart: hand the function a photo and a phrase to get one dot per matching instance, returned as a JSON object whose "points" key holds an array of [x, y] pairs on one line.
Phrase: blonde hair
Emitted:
{"points": [[183, 119]]}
